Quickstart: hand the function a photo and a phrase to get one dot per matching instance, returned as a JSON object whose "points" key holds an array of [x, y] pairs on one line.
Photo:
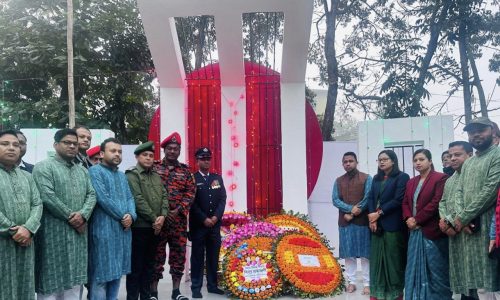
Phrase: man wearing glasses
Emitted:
{"points": [[20, 213], [68, 198], [204, 224]]}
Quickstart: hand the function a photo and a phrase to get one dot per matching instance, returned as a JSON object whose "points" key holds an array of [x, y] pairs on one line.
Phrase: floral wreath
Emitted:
{"points": [[249, 274], [250, 230], [296, 222], [233, 219], [308, 266], [263, 243]]}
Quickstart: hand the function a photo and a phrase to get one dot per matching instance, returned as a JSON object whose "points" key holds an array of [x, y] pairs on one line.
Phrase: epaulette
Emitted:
{"points": [[131, 169]]}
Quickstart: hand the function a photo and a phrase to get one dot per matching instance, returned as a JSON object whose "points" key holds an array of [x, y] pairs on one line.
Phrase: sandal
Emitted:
{"points": [[351, 288], [181, 297]]}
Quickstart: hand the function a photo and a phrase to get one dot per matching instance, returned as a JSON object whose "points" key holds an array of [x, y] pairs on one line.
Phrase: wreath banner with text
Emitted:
{"points": [[249, 273]]}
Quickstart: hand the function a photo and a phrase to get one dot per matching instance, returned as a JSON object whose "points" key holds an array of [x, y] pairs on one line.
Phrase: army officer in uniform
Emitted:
{"points": [[204, 224]]}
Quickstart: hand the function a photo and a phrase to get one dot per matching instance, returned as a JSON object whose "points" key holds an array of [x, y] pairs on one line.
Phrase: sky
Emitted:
{"points": [[454, 107]]}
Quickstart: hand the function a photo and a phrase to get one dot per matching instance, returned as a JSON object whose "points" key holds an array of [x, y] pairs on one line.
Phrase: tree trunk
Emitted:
{"points": [[464, 66], [120, 127], [332, 71], [478, 85], [435, 30], [202, 27], [71, 88], [62, 101]]}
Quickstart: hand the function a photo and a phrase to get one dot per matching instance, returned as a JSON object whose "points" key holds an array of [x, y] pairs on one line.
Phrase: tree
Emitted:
{"points": [[261, 33], [114, 68], [390, 51], [332, 67], [472, 25], [71, 87], [310, 96]]}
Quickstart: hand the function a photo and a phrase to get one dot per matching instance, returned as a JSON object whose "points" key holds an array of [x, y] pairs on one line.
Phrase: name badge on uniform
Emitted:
{"points": [[215, 184]]}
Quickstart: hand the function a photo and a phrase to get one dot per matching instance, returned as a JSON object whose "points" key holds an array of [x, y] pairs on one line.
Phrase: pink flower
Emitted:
{"points": [[250, 230]]}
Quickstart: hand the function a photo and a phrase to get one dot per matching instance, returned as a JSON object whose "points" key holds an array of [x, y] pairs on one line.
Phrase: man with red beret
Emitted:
{"points": [[181, 188], [94, 155]]}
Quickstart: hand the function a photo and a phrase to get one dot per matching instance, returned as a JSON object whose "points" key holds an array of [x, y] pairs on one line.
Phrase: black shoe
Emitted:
{"points": [[197, 294], [216, 291], [153, 296], [176, 295]]}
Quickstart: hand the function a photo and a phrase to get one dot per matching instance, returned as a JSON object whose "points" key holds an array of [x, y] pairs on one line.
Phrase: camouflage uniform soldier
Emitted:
{"points": [[180, 186]]}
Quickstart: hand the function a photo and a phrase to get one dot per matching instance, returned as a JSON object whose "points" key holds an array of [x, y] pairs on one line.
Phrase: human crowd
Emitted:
{"points": [[431, 236], [75, 220]]}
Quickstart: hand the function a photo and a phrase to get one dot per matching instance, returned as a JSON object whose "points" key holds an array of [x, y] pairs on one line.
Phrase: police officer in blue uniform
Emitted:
{"points": [[204, 224]]}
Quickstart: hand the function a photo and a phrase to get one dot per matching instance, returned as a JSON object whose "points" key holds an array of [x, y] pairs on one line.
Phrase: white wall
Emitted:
{"points": [[435, 133], [128, 157], [173, 118], [321, 210], [41, 141], [229, 153], [293, 141]]}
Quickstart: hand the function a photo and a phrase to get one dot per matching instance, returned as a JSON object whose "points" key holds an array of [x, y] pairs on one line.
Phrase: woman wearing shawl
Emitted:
{"points": [[426, 274]]}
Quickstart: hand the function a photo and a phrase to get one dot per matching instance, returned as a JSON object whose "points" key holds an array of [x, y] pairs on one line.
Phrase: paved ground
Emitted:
{"points": [[165, 290]]}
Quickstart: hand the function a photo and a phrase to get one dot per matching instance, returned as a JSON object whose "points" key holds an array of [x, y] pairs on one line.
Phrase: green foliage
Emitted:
{"points": [[197, 40], [311, 96], [389, 52], [262, 32], [113, 66]]}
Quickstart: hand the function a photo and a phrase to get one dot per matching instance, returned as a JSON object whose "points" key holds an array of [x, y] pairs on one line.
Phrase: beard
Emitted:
{"points": [[485, 144]]}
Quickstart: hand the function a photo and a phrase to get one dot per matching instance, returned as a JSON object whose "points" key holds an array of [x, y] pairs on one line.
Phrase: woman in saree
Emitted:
{"points": [[426, 275], [388, 238]]}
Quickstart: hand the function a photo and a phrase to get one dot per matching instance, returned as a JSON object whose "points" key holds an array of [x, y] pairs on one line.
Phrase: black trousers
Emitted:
{"points": [[144, 244], [204, 241]]}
